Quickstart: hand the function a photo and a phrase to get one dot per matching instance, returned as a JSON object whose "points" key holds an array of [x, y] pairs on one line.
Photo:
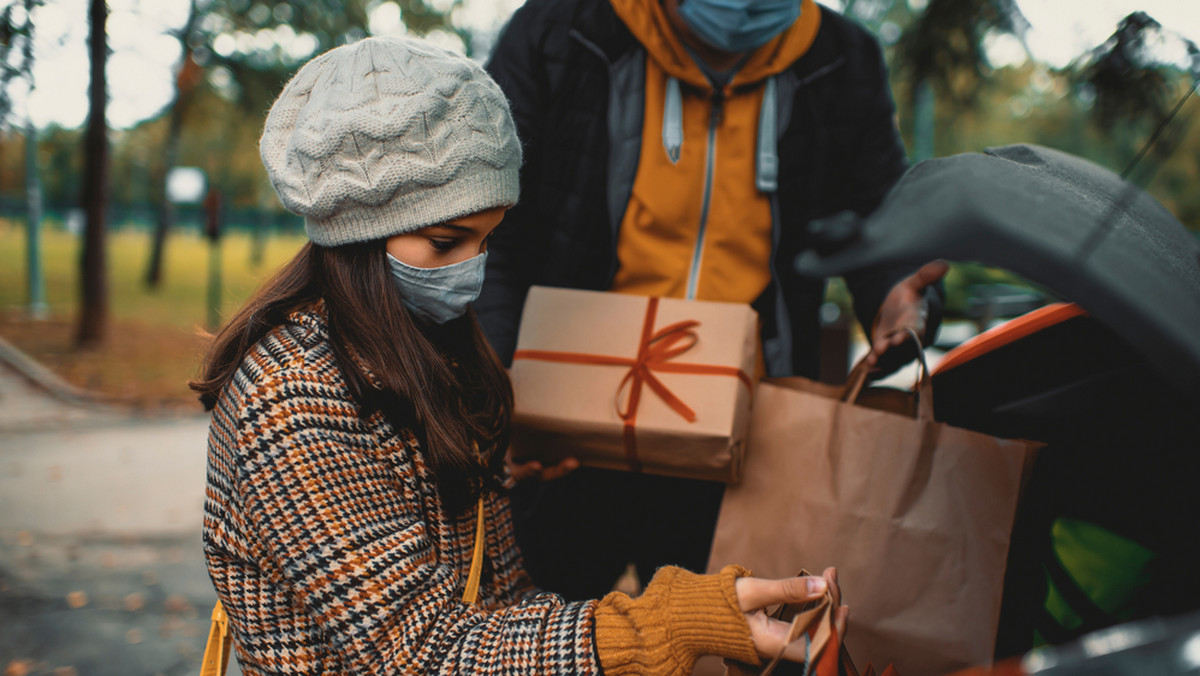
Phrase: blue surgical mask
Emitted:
{"points": [[439, 294], [738, 25]]}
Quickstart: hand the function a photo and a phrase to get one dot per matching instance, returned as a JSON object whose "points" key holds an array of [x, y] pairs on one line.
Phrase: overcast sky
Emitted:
{"points": [[143, 56]]}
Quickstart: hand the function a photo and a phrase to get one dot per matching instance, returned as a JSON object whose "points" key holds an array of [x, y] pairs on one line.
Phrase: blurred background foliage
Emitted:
{"points": [[240, 52], [235, 55]]}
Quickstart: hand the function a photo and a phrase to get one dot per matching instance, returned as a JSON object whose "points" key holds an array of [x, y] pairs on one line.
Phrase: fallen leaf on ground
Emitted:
{"points": [[177, 603], [135, 602], [170, 626]]}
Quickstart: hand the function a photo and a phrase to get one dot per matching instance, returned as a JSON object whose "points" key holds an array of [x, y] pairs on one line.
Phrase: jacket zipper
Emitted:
{"points": [[714, 121]]}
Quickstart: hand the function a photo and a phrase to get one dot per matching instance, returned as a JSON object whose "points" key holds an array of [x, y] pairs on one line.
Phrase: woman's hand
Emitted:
{"points": [[520, 471], [769, 635]]}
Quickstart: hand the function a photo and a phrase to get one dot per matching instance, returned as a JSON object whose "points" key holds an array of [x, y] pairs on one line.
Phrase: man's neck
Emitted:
{"points": [[716, 59]]}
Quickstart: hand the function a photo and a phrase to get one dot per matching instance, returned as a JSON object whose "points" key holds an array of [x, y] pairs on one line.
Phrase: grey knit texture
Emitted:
{"points": [[386, 136]]}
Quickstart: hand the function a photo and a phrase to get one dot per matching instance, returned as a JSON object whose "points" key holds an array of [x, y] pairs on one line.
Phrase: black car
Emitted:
{"points": [[1109, 380]]}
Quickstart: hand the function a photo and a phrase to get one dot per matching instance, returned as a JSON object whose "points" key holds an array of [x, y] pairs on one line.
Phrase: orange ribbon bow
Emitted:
{"points": [[655, 352]]}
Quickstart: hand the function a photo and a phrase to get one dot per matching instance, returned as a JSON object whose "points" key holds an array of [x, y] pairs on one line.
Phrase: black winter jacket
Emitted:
{"points": [[575, 77]]}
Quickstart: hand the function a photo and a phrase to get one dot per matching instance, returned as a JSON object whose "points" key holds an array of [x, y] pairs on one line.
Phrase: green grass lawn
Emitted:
{"points": [[156, 337]]}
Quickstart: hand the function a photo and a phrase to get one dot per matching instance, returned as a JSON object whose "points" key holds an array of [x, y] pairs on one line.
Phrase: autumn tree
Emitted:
{"points": [[93, 315], [16, 54], [244, 51], [941, 53], [1131, 85], [187, 77]]}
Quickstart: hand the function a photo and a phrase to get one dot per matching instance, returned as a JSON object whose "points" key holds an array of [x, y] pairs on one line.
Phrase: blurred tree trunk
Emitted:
{"points": [[923, 121], [93, 314], [33, 223], [189, 74], [33, 187], [941, 56]]}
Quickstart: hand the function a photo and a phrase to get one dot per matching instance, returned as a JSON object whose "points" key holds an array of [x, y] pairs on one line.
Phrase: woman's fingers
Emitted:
{"points": [[563, 468], [754, 593], [830, 577], [520, 471], [771, 636], [841, 613]]}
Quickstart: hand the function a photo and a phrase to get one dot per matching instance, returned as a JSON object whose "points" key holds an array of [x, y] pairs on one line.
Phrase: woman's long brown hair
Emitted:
{"points": [[443, 382]]}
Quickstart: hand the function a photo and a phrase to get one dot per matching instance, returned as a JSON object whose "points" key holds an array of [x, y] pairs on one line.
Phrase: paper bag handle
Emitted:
{"points": [[924, 385]]}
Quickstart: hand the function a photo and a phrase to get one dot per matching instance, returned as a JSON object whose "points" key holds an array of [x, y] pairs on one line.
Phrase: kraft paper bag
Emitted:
{"points": [[915, 515], [628, 382]]}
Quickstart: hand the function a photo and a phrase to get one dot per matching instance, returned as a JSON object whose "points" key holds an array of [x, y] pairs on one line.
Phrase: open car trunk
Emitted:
{"points": [[1109, 381]]}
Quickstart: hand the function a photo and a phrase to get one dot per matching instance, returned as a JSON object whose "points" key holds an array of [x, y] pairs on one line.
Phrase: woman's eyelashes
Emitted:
{"points": [[443, 243]]}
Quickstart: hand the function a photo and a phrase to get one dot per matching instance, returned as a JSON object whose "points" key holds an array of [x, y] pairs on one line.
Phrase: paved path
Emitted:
{"points": [[25, 406], [101, 568]]}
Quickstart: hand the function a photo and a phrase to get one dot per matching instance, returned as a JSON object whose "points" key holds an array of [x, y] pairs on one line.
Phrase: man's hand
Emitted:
{"points": [[520, 471], [904, 308]]}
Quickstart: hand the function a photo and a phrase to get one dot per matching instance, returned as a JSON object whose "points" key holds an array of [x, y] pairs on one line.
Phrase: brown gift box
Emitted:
{"points": [[634, 383]]}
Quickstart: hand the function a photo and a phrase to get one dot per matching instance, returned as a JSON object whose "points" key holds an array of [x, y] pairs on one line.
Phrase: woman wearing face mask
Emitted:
{"points": [[355, 520]]}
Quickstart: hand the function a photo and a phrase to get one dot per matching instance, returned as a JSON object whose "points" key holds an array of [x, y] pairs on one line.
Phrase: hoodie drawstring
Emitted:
{"points": [[672, 131], [766, 174]]}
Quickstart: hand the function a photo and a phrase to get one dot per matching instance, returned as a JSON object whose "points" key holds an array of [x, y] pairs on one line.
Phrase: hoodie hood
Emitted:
{"points": [[649, 23]]}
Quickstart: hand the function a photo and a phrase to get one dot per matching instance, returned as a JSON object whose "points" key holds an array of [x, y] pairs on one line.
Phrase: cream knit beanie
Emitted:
{"points": [[386, 136]]}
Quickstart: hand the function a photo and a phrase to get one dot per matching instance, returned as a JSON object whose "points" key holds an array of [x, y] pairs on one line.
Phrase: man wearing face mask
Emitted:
{"points": [[679, 148]]}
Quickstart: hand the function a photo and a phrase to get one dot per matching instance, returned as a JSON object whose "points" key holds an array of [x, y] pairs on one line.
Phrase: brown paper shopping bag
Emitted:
{"points": [[916, 515]]}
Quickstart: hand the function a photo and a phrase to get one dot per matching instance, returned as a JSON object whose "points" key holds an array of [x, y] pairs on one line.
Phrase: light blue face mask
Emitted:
{"points": [[439, 294], [738, 25]]}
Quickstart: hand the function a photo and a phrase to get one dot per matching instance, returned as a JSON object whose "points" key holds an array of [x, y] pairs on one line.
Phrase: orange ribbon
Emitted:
{"points": [[655, 352]]}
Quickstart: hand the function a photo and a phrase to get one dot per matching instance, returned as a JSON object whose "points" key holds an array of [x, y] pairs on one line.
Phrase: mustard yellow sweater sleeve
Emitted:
{"points": [[679, 617]]}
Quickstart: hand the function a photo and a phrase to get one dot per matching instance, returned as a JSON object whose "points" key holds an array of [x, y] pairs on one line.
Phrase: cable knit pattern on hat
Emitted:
{"points": [[386, 136]]}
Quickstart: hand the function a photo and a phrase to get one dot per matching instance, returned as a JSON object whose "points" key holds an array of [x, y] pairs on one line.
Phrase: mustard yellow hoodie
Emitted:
{"points": [[699, 227]]}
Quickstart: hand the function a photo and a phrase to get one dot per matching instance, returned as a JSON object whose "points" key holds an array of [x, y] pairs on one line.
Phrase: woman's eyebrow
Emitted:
{"points": [[453, 226]]}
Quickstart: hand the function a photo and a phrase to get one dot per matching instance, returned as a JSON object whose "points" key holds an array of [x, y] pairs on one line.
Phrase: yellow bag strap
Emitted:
{"points": [[471, 593], [216, 652]]}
